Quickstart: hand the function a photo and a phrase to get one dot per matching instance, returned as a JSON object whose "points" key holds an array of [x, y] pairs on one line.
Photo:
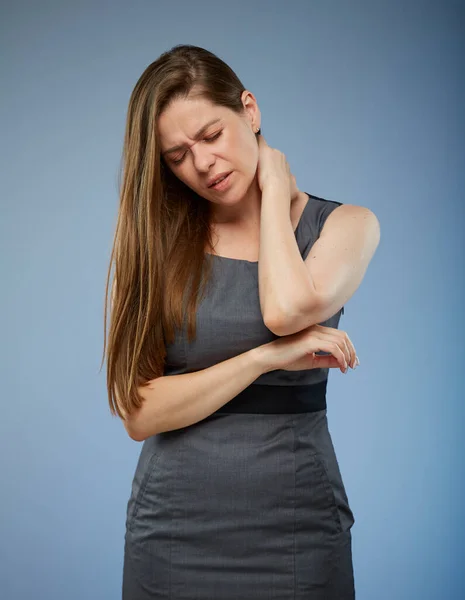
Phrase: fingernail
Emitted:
{"points": [[357, 362]]}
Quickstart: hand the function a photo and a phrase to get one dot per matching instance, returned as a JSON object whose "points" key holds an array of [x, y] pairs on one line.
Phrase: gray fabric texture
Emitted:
{"points": [[240, 506], [229, 319]]}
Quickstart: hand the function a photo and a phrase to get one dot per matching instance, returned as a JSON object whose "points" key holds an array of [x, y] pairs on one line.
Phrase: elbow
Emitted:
{"points": [[136, 432], [135, 435], [132, 423], [279, 328], [289, 323], [136, 426], [129, 421], [139, 423], [146, 420], [282, 325], [133, 432]]}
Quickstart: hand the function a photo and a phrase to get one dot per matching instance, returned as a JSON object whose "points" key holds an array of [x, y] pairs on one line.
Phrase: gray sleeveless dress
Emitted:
{"points": [[248, 503]]}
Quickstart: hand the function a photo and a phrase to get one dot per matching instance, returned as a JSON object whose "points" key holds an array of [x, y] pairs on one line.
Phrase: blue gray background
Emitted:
{"points": [[366, 100]]}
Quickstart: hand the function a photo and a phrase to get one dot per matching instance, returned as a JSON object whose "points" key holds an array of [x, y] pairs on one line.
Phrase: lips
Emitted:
{"points": [[216, 177]]}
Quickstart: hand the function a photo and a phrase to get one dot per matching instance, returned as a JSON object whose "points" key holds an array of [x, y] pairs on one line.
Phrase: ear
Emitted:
{"points": [[251, 106]]}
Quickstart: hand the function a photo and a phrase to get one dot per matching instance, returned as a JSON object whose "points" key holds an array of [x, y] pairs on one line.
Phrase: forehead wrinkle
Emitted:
{"points": [[196, 136]]}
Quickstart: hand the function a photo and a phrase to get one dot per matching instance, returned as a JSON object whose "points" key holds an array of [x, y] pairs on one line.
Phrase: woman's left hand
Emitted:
{"points": [[273, 167]]}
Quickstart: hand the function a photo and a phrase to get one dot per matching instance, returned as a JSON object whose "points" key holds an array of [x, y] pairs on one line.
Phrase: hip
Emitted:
{"points": [[244, 463]]}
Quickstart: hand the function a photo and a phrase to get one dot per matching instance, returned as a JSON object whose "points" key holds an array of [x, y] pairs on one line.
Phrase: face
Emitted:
{"points": [[227, 144]]}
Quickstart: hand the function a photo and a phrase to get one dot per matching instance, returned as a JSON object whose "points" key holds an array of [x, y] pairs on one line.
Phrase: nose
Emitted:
{"points": [[203, 158]]}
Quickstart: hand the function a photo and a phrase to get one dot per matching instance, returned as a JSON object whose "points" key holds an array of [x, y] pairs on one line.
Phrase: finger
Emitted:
{"points": [[348, 347], [353, 352], [326, 361], [326, 345], [335, 337], [347, 350]]}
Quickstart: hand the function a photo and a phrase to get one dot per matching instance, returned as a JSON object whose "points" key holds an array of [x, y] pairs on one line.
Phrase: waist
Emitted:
{"points": [[277, 399]]}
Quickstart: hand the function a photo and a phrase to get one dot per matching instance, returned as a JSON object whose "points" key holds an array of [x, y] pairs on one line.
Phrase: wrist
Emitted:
{"points": [[261, 357], [275, 185]]}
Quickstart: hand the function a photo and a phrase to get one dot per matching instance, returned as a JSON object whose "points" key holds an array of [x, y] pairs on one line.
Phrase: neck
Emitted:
{"points": [[244, 213]]}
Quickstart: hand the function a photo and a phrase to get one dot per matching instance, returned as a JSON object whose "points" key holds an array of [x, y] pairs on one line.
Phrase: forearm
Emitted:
{"points": [[284, 280], [175, 401]]}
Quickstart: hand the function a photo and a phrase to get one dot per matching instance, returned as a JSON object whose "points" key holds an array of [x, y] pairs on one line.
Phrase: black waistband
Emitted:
{"points": [[278, 399]]}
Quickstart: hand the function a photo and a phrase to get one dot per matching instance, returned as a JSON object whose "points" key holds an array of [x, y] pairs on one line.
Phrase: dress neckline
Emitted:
{"points": [[255, 262]]}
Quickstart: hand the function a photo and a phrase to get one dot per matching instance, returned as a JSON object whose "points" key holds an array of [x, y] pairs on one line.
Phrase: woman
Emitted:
{"points": [[237, 492]]}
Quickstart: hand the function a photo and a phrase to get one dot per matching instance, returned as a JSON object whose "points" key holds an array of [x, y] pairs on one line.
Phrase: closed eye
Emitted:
{"points": [[214, 137], [209, 140]]}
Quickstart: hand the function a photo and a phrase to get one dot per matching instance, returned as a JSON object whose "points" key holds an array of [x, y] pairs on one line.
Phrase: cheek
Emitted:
{"points": [[243, 154]]}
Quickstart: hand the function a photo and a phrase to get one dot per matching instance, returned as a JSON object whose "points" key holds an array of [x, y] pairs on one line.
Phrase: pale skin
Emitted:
{"points": [[255, 219]]}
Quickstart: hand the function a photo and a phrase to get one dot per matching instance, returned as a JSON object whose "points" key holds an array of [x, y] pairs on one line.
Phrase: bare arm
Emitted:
{"points": [[335, 267], [175, 401]]}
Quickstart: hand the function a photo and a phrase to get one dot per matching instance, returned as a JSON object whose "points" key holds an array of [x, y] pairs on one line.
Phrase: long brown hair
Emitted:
{"points": [[162, 227]]}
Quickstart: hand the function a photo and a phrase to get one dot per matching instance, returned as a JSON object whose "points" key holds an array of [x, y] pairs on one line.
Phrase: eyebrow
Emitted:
{"points": [[199, 134]]}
